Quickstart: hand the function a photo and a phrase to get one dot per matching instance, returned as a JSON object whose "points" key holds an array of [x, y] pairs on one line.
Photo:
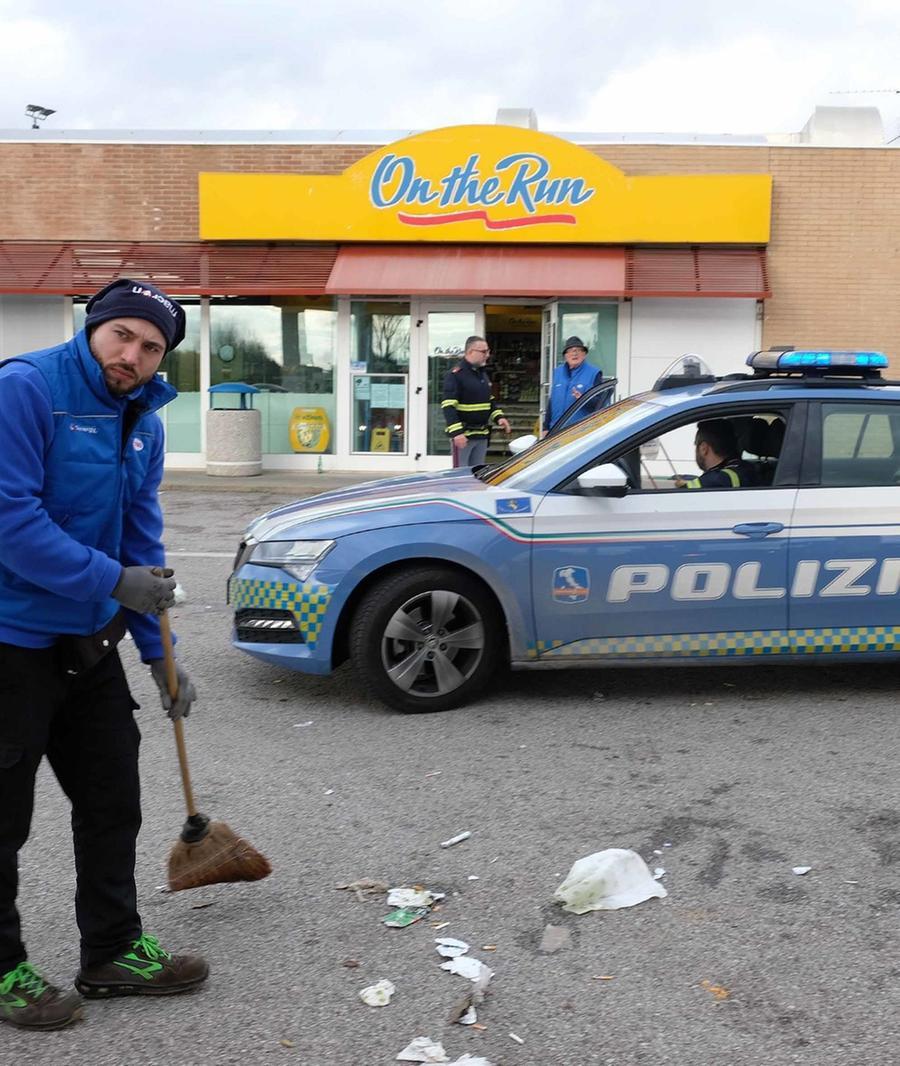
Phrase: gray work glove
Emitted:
{"points": [[145, 589], [181, 708]]}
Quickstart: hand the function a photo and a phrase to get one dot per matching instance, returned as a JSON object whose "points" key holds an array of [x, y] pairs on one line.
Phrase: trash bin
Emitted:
{"points": [[233, 433]]}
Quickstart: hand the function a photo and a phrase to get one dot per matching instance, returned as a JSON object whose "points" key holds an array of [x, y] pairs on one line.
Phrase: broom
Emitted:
{"points": [[207, 853]]}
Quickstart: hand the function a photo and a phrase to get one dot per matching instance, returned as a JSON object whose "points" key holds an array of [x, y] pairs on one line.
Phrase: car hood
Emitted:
{"points": [[388, 502]]}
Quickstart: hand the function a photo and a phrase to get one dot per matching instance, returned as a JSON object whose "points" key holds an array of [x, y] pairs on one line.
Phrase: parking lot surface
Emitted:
{"points": [[734, 775]]}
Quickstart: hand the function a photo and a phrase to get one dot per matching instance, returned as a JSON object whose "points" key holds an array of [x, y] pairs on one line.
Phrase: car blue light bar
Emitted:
{"points": [[812, 360]]}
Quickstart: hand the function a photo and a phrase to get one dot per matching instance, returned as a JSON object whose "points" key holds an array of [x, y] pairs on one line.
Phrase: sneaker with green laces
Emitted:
{"points": [[146, 970], [28, 1001]]}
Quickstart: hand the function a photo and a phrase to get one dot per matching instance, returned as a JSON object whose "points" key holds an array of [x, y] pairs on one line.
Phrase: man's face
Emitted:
{"points": [[703, 454], [129, 351], [478, 354], [575, 357]]}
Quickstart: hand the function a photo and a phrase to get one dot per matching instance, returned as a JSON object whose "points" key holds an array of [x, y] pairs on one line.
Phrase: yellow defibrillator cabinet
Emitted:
{"points": [[310, 429]]}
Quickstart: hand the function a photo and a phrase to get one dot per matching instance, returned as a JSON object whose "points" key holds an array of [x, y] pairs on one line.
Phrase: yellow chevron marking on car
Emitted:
{"points": [[307, 602], [854, 639]]}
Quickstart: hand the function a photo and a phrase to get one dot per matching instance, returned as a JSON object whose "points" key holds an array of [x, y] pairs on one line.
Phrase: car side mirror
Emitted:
{"points": [[605, 480], [522, 444]]}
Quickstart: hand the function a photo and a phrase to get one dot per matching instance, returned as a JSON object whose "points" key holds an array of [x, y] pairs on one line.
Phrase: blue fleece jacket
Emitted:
{"points": [[565, 384], [79, 474]]}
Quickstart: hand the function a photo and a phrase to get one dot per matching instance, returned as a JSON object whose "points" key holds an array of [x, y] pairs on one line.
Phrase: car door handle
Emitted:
{"points": [[757, 530]]}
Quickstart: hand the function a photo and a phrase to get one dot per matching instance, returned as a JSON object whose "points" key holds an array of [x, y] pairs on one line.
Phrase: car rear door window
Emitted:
{"points": [[860, 444]]}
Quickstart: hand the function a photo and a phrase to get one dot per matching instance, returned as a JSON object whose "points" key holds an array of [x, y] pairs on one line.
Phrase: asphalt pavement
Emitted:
{"points": [[727, 777]]}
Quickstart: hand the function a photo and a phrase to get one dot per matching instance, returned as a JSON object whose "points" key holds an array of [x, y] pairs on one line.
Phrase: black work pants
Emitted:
{"points": [[85, 726]]}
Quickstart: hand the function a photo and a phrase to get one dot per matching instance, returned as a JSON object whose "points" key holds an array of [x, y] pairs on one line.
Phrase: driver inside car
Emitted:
{"points": [[718, 455]]}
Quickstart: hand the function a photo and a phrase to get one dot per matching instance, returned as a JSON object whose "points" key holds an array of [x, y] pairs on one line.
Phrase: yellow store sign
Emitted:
{"points": [[486, 184]]}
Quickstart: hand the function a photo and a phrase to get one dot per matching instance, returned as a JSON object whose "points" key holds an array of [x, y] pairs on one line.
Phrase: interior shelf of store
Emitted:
{"points": [[522, 419], [514, 369], [517, 383]]}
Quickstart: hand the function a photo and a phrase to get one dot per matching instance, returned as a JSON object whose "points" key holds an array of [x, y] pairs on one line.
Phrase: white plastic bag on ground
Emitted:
{"points": [[412, 897], [469, 967], [379, 994], [423, 1049], [449, 947], [607, 881]]}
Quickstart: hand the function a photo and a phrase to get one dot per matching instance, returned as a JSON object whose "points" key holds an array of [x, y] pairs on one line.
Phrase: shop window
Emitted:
{"points": [[379, 337], [286, 348], [379, 375], [379, 413], [181, 368]]}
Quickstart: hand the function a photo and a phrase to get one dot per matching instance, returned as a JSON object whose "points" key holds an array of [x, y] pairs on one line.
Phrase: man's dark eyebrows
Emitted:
{"points": [[131, 333]]}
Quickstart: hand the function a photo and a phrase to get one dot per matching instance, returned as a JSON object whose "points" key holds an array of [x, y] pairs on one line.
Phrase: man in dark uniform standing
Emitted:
{"points": [[469, 407]]}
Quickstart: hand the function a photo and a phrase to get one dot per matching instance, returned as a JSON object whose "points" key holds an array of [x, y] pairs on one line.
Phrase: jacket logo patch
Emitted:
{"points": [[75, 428], [514, 505], [137, 444], [571, 584]]}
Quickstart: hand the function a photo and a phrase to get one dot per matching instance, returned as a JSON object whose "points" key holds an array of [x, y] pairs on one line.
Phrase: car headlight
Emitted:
{"points": [[298, 557]]}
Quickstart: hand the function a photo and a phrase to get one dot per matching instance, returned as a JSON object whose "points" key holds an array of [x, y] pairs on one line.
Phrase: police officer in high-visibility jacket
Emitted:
{"points": [[469, 407], [717, 454]]}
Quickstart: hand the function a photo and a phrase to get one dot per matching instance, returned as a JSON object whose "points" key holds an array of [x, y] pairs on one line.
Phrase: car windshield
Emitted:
{"points": [[622, 413]]}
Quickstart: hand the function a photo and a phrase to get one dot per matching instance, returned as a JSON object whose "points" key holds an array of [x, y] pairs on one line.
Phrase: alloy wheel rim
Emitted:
{"points": [[433, 643]]}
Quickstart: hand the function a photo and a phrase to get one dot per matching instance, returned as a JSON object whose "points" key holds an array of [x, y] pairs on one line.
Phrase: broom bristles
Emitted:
{"points": [[219, 858]]}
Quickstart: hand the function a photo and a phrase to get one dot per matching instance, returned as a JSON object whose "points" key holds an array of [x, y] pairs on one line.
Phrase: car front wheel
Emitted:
{"points": [[427, 640]]}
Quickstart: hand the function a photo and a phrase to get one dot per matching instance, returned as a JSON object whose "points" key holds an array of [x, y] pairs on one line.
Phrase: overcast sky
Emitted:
{"points": [[702, 66]]}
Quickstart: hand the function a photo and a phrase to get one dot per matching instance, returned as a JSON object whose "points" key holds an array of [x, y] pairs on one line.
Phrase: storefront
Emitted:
{"points": [[345, 292], [519, 236]]}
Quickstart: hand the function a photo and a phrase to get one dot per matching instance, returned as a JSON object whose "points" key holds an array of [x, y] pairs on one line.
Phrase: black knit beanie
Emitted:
{"points": [[137, 299]]}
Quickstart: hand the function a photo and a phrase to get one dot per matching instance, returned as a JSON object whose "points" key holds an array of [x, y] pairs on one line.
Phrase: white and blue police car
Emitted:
{"points": [[585, 548]]}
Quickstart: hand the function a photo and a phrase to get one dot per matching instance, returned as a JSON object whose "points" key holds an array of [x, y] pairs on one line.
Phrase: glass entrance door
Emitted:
{"points": [[595, 324], [443, 330], [379, 373], [549, 348]]}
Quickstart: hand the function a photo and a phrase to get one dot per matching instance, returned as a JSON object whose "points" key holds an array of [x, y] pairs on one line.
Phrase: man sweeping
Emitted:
{"points": [[80, 560]]}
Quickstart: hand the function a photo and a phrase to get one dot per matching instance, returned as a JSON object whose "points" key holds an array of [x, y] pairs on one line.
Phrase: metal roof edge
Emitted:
{"points": [[583, 138]]}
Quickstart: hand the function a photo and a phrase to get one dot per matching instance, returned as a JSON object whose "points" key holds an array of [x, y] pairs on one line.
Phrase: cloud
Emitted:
{"points": [[754, 84], [23, 77], [695, 65]]}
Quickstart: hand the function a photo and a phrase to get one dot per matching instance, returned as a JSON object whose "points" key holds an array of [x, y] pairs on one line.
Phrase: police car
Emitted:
{"points": [[583, 549]]}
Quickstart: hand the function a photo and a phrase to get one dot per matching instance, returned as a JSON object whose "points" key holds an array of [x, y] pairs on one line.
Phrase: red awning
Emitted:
{"points": [[477, 270], [482, 270], [73, 268], [187, 268]]}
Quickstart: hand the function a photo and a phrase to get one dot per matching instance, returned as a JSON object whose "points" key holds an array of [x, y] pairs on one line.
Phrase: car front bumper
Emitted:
{"points": [[269, 605]]}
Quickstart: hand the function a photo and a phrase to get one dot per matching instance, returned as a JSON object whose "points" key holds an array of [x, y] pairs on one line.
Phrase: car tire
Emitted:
{"points": [[427, 639]]}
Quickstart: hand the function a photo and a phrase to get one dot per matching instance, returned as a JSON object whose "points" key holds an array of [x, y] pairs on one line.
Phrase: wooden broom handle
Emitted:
{"points": [[165, 630]]}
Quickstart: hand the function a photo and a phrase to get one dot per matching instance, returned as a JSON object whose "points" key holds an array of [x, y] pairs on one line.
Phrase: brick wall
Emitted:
{"points": [[101, 192], [834, 254], [834, 257]]}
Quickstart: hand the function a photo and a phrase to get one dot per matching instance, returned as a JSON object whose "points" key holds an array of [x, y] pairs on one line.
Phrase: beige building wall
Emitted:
{"points": [[834, 256]]}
